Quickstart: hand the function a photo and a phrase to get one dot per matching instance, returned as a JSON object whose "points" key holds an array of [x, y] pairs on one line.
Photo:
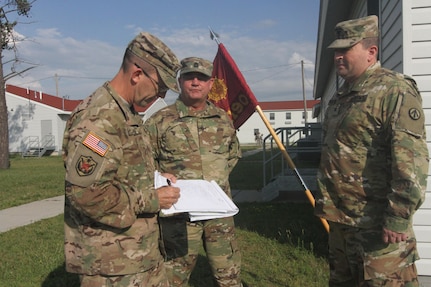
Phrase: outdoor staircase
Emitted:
{"points": [[287, 187], [33, 147], [303, 145]]}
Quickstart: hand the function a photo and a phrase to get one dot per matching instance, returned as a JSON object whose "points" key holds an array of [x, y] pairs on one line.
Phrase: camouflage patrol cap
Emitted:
{"points": [[198, 65], [350, 32], [152, 50]]}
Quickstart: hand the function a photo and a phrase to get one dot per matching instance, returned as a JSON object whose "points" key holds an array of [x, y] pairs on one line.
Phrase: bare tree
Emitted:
{"points": [[8, 9]]}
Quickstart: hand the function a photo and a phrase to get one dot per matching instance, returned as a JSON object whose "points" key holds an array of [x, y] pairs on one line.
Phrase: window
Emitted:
{"points": [[271, 116], [288, 116]]}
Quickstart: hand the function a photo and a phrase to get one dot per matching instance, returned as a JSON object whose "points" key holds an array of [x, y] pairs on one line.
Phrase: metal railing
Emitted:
{"points": [[296, 140], [33, 147]]}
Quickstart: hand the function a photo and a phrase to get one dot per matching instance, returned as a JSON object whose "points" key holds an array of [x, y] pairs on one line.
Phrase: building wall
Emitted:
{"points": [[391, 30], [25, 118], [416, 31], [246, 131]]}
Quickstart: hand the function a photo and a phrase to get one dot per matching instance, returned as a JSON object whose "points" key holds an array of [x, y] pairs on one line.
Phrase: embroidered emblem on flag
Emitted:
{"points": [[94, 143]]}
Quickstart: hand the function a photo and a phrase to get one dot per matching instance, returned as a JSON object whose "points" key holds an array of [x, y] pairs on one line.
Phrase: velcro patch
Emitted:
{"points": [[411, 115], [414, 114], [85, 165], [96, 144]]}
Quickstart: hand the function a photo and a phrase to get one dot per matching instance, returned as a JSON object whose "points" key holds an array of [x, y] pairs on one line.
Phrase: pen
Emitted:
{"points": [[168, 181]]}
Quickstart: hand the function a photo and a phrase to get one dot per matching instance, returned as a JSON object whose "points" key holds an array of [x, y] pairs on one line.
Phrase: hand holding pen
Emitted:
{"points": [[168, 195]]}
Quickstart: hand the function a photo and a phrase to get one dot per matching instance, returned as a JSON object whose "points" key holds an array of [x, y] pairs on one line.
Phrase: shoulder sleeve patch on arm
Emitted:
{"points": [[411, 117], [87, 160], [96, 144]]}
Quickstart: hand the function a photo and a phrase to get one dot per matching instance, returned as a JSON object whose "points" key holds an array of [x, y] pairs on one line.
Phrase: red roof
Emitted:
{"points": [[50, 100], [40, 97], [69, 105]]}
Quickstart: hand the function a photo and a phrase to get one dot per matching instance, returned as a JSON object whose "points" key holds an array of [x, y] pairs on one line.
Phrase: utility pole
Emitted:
{"points": [[56, 84], [56, 91], [303, 96]]}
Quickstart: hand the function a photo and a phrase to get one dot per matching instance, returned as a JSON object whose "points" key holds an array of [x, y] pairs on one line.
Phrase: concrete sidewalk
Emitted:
{"points": [[31, 212], [17, 216]]}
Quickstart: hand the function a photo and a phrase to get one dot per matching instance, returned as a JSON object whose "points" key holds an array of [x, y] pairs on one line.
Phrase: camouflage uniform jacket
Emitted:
{"points": [[194, 144], [111, 205], [374, 161]]}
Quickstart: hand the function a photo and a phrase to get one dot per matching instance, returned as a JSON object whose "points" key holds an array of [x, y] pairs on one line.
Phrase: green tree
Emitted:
{"points": [[10, 10]]}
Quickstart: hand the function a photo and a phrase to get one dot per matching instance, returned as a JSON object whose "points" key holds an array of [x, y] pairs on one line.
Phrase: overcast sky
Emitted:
{"points": [[82, 42]]}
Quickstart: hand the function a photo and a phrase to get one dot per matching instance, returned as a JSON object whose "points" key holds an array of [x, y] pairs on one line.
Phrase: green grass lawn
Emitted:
{"points": [[280, 247], [282, 243], [248, 173], [30, 179]]}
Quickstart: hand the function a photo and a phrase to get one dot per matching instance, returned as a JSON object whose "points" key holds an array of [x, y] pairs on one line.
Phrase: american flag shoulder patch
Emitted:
{"points": [[96, 144]]}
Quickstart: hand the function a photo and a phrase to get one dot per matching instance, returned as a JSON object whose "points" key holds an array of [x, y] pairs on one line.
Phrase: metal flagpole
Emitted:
{"points": [[214, 36], [280, 145]]}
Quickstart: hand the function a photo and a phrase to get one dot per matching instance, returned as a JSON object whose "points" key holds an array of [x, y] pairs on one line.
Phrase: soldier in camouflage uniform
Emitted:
{"points": [[374, 165], [111, 206], [193, 139]]}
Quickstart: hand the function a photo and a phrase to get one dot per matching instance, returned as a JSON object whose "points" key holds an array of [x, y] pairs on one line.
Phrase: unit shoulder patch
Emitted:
{"points": [[85, 165], [411, 117]]}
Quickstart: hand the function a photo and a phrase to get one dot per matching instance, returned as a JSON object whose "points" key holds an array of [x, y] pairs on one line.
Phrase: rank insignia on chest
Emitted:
{"points": [[85, 165], [96, 144], [336, 109]]}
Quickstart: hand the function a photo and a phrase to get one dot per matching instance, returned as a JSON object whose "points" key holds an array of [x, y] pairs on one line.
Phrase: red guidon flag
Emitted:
{"points": [[230, 90]]}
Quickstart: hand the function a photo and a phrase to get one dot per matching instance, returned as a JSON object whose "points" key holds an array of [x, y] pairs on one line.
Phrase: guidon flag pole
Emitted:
{"points": [[231, 92]]}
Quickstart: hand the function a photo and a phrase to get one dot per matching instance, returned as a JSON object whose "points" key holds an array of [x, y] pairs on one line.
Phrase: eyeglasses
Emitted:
{"points": [[158, 87], [199, 76]]}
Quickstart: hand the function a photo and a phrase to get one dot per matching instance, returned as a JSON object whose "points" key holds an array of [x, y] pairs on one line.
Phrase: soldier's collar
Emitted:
{"points": [[358, 84]]}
